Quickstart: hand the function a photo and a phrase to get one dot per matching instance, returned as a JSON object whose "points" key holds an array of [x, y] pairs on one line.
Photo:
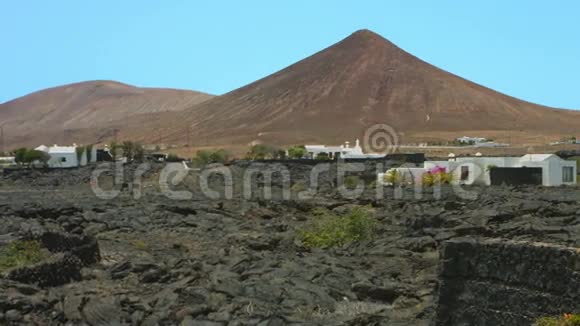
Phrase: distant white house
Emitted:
{"points": [[67, 157], [342, 151], [551, 169], [471, 140], [7, 161]]}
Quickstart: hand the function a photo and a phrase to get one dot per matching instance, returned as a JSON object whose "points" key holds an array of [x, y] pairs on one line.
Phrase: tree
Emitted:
{"points": [[29, 156], [80, 150], [19, 155], [139, 152], [128, 148], [297, 152], [135, 151], [201, 158], [89, 149], [34, 155], [113, 148]]}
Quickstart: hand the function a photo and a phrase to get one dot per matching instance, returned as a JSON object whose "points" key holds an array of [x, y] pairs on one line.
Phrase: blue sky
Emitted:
{"points": [[526, 48]]}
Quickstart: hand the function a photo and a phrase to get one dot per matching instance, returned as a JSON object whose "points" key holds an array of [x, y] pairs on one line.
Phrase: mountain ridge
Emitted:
{"points": [[332, 95]]}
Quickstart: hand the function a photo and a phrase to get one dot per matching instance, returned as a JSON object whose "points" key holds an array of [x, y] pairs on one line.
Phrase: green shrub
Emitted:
{"points": [[330, 230], [489, 167], [205, 157], [297, 152], [431, 179], [21, 253], [351, 181], [322, 156], [393, 177], [564, 320]]}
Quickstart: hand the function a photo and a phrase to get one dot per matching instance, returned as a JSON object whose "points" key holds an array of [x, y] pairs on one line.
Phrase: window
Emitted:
{"points": [[63, 159], [567, 174], [464, 173]]}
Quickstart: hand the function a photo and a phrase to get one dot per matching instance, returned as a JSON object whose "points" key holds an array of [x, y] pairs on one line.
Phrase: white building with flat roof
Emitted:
{"points": [[67, 156], [551, 170], [342, 151]]}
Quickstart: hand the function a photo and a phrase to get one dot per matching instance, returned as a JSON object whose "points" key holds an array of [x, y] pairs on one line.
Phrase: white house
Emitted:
{"points": [[67, 157], [342, 151], [471, 140], [551, 169], [7, 161]]}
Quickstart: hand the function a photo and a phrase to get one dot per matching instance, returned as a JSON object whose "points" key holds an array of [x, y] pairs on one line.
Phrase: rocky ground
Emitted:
{"points": [[241, 262]]}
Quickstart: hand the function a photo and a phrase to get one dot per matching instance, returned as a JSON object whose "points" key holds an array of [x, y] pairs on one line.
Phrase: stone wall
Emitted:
{"points": [[498, 282], [70, 254]]}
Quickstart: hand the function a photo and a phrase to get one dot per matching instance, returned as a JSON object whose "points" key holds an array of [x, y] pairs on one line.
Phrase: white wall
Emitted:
{"points": [[56, 160], [552, 172]]}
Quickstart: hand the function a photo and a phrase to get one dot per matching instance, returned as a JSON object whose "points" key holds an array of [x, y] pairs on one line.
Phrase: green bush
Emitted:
{"points": [[29, 156], [330, 230], [393, 177], [489, 167], [565, 320], [322, 156], [431, 179], [297, 152], [21, 253]]}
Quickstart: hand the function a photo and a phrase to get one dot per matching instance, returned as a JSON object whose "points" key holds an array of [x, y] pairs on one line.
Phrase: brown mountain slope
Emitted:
{"points": [[364, 79], [49, 115]]}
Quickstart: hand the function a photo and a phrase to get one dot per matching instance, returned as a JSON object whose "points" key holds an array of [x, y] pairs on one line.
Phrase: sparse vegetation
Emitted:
{"points": [[21, 253], [564, 320], [329, 230], [205, 157], [265, 152]]}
